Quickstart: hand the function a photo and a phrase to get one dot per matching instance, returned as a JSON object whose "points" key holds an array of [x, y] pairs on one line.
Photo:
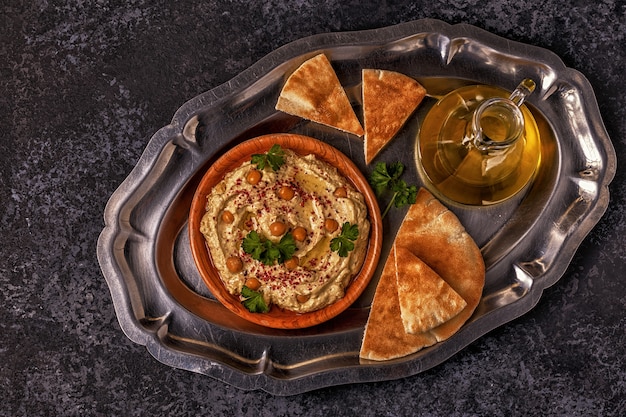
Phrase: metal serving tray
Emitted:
{"points": [[527, 242]]}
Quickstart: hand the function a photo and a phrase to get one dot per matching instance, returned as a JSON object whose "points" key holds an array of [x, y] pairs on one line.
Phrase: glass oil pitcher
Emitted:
{"points": [[478, 145]]}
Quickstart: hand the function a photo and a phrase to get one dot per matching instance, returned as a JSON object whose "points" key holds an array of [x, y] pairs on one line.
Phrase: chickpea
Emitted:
{"points": [[302, 298], [341, 192], [292, 263], [227, 217], [278, 228], [253, 283], [253, 177], [286, 192], [299, 233], [331, 225], [234, 264]]}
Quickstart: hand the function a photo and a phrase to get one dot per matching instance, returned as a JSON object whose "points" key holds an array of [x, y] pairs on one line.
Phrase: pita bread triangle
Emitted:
{"points": [[436, 237], [425, 299], [385, 337], [314, 92], [389, 98]]}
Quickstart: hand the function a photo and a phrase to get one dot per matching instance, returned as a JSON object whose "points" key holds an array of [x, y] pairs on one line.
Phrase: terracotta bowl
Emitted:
{"points": [[302, 145]]}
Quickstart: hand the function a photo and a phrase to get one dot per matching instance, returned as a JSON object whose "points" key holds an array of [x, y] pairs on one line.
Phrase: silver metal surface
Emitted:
{"points": [[527, 242]]}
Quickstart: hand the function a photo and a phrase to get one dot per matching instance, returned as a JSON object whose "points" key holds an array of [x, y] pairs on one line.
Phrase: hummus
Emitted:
{"points": [[304, 194]]}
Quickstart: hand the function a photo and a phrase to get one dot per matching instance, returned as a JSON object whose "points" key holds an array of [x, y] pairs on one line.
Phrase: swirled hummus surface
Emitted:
{"points": [[304, 193]]}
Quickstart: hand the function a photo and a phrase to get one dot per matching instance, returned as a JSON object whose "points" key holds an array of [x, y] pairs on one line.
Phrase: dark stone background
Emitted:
{"points": [[85, 84]]}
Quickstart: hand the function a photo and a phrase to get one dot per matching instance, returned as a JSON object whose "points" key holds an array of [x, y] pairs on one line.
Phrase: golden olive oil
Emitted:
{"points": [[464, 173]]}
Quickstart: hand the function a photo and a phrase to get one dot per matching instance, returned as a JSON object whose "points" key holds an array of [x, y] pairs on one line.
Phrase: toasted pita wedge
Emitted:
{"points": [[385, 337], [314, 92], [436, 236], [425, 299], [389, 98]]}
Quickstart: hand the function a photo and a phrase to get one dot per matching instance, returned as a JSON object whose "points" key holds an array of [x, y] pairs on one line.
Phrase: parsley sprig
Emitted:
{"points": [[274, 158], [253, 301], [388, 178], [344, 243], [266, 251]]}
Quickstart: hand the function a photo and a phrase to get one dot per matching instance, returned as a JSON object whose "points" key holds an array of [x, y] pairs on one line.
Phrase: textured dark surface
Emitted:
{"points": [[84, 86]]}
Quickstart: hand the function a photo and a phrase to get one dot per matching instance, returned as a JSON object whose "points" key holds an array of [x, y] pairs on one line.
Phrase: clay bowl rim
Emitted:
{"points": [[302, 145]]}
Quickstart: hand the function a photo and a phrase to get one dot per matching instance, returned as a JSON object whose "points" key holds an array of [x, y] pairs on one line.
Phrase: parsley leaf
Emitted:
{"points": [[388, 178], [254, 301], [286, 247], [252, 245], [274, 158], [266, 251], [344, 243], [404, 194], [384, 177]]}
